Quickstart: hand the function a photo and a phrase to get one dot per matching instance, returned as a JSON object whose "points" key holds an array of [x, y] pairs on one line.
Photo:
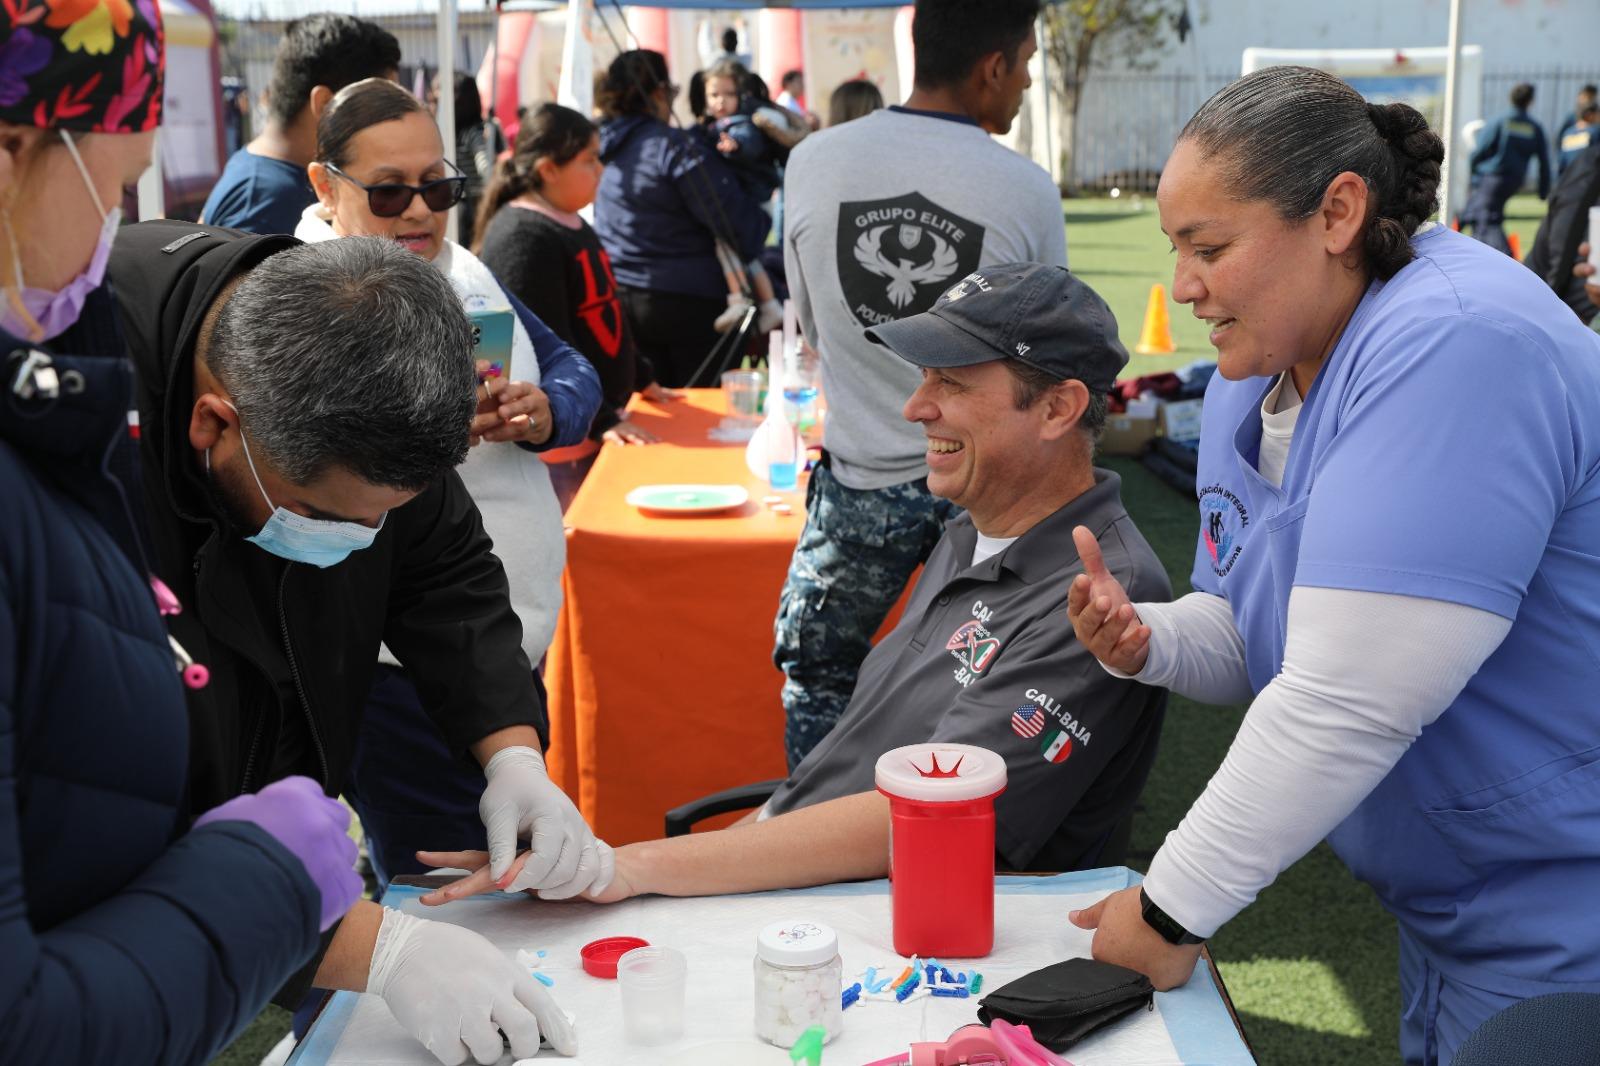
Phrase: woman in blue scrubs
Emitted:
{"points": [[1398, 564]]}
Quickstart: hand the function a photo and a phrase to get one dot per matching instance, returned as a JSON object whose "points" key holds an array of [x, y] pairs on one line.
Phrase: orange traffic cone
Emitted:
{"points": [[1156, 337], [1515, 243]]}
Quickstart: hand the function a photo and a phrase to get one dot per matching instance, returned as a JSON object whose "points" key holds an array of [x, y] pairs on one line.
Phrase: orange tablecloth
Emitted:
{"points": [[661, 682]]}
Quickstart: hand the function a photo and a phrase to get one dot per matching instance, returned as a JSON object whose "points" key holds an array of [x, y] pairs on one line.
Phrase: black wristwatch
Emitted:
{"points": [[1161, 922]]}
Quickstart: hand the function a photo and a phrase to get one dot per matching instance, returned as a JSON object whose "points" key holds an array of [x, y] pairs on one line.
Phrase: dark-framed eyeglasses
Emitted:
{"points": [[390, 199]]}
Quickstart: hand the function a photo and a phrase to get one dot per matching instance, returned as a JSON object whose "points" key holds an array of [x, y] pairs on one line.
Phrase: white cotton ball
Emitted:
{"points": [[792, 996]]}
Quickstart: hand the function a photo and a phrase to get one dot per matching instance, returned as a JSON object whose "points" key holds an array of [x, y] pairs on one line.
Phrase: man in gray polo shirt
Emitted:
{"points": [[1015, 362]]}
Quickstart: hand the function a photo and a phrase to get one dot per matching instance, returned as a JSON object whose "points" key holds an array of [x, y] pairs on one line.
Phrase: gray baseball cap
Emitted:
{"points": [[1039, 315]]}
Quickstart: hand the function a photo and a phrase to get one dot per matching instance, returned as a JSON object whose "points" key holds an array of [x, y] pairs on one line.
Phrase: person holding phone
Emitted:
{"points": [[380, 170]]}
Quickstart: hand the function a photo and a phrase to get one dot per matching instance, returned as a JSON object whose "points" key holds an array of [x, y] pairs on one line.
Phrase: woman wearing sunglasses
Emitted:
{"points": [[380, 170]]}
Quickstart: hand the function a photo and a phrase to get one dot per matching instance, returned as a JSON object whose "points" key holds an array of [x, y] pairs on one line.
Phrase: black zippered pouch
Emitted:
{"points": [[1066, 1002]]}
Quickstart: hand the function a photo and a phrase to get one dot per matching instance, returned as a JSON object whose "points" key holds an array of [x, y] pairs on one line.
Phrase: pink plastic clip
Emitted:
{"points": [[166, 602], [194, 675]]}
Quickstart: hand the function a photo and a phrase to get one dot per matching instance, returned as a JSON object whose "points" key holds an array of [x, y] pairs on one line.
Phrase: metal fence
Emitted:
{"points": [[1128, 122], [1555, 91]]}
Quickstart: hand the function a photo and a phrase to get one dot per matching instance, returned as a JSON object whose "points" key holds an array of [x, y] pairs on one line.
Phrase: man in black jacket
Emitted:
{"points": [[1554, 254], [301, 410]]}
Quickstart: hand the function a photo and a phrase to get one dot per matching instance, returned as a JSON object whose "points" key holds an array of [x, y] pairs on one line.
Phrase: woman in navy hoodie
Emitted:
{"points": [[662, 204], [127, 934]]}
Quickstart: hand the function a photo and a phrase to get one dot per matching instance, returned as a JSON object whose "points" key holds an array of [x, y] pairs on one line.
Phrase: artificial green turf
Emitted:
{"points": [[1311, 966]]}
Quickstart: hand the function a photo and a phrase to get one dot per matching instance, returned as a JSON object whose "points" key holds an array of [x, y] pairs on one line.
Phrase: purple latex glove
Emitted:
{"points": [[313, 827]]}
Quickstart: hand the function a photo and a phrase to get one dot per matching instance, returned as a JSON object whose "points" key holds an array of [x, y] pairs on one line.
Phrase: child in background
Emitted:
{"points": [[551, 259], [754, 136], [853, 99]]}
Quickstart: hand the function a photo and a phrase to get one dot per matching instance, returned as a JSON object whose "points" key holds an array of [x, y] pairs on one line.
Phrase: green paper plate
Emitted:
{"points": [[688, 499]]}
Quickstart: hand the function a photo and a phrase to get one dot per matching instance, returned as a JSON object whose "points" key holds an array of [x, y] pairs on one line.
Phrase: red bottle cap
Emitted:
{"points": [[600, 956]]}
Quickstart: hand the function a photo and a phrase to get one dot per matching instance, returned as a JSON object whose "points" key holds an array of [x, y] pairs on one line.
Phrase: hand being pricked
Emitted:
{"points": [[1102, 615], [608, 885]]}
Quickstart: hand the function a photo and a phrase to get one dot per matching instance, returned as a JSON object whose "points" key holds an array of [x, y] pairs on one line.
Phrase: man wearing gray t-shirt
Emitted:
{"points": [[881, 216]]}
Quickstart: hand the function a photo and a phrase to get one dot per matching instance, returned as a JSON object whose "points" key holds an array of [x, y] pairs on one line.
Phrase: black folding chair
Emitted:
{"points": [[681, 820]]}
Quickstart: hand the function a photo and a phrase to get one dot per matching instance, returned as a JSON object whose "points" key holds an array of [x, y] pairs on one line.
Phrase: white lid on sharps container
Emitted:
{"points": [[941, 773], [797, 942]]}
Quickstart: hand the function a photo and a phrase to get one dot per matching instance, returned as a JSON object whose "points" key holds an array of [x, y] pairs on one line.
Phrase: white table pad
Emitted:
{"points": [[717, 935]]}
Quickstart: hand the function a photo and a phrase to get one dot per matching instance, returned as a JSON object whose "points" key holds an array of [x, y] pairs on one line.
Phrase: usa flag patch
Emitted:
{"points": [[1028, 721]]}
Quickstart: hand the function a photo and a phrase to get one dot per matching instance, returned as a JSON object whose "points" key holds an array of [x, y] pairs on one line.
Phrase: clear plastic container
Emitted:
{"points": [[653, 983], [798, 981]]}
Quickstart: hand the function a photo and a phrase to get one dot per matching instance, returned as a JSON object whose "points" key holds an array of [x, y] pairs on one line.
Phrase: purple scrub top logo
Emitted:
{"points": [[1222, 516]]}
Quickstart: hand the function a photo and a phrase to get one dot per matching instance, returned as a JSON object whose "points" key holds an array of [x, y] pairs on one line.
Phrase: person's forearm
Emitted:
{"points": [[512, 736], [1195, 649], [841, 840], [349, 957], [1363, 674]]}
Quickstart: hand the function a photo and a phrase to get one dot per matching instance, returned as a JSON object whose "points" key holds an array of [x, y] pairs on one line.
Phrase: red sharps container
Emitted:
{"points": [[941, 846]]}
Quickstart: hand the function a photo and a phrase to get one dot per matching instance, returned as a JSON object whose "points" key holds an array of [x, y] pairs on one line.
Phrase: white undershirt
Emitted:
{"points": [[1363, 673], [989, 547], [1279, 413]]}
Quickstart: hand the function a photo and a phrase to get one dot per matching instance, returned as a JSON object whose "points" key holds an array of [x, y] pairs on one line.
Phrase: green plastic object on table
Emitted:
{"points": [[687, 499], [808, 1048]]}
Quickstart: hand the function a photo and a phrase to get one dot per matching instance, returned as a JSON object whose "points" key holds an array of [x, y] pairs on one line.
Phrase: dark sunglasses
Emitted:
{"points": [[390, 199]]}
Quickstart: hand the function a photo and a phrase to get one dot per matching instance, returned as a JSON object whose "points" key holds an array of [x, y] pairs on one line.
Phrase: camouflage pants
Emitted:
{"points": [[858, 549]]}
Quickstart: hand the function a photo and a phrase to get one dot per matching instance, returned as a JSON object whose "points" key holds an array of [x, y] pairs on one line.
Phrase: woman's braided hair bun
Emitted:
{"points": [[1283, 134], [1411, 198]]}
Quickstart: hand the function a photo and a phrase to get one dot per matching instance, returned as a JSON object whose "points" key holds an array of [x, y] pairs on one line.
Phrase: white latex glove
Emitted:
{"points": [[596, 867], [521, 800], [455, 992]]}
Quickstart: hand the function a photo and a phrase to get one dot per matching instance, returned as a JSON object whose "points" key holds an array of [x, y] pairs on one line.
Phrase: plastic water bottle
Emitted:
{"points": [[776, 439], [783, 459], [800, 389]]}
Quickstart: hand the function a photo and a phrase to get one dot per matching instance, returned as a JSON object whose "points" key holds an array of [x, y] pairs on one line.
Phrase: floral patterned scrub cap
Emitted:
{"points": [[91, 65]]}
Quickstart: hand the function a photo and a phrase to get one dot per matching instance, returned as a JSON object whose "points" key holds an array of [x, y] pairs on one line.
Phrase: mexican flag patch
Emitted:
{"points": [[1057, 745]]}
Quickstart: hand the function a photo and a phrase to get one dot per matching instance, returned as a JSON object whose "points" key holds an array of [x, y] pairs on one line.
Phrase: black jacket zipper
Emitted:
{"points": [[247, 780], [294, 672]]}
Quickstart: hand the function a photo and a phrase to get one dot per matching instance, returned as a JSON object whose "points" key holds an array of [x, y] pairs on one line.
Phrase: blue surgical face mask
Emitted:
{"points": [[297, 538]]}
